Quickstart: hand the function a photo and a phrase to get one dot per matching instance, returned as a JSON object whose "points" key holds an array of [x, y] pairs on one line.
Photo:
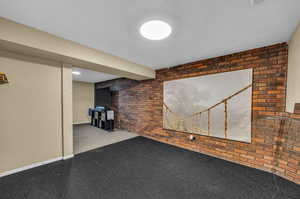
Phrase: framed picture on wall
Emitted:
{"points": [[3, 78], [217, 105]]}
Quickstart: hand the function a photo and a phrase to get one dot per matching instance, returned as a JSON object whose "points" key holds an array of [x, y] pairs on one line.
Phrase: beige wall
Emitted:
{"points": [[293, 78], [30, 119], [67, 115], [83, 99]]}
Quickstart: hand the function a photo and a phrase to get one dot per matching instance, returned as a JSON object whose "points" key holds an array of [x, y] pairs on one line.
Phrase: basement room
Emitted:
{"points": [[161, 99]]}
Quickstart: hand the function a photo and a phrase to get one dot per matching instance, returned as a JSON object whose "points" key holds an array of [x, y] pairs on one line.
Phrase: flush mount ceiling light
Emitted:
{"points": [[76, 73], [155, 30]]}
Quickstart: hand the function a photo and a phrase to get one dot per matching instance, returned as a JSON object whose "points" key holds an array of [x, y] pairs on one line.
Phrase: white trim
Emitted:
{"points": [[87, 122], [68, 157], [6, 173]]}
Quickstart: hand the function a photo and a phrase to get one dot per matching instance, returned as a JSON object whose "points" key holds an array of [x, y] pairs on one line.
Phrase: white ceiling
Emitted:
{"points": [[201, 28], [91, 76]]}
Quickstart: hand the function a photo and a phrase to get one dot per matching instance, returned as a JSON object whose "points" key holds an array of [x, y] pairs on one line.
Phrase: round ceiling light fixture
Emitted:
{"points": [[155, 30]]}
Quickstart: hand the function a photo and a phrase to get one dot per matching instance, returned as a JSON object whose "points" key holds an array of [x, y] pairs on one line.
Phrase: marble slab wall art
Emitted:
{"points": [[217, 105]]}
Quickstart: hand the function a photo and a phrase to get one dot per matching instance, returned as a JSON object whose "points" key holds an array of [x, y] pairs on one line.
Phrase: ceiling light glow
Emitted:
{"points": [[76, 73], [155, 30]]}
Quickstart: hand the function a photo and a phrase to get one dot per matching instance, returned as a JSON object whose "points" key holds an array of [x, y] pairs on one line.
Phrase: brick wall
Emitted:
{"points": [[275, 143], [115, 107], [115, 86]]}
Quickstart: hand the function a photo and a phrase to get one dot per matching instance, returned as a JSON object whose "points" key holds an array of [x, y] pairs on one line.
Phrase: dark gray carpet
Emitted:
{"points": [[140, 169]]}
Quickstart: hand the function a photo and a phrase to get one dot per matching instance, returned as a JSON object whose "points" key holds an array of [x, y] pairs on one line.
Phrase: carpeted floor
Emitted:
{"points": [[140, 168]]}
